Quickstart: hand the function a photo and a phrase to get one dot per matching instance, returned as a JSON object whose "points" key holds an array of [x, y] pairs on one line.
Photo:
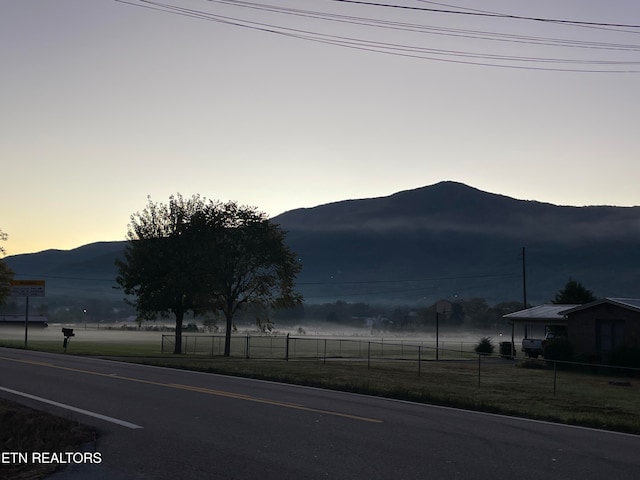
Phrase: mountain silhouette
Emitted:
{"points": [[446, 240]]}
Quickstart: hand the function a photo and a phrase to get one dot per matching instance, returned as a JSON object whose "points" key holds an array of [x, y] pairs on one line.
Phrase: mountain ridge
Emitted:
{"points": [[440, 241]]}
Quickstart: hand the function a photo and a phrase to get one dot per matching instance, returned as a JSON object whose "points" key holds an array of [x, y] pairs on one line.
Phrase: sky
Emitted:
{"points": [[290, 104]]}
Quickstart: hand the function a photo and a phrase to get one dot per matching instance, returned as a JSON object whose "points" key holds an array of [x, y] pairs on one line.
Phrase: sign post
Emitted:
{"points": [[27, 288]]}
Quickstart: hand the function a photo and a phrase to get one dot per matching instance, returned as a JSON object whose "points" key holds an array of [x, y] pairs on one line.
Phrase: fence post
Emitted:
{"points": [[324, 356], [479, 361], [162, 345], [419, 358], [368, 355], [554, 377], [286, 349], [247, 347]]}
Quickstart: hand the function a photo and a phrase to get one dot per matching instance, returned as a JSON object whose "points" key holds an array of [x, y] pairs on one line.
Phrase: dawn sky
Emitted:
{"points": [[306, 102]]}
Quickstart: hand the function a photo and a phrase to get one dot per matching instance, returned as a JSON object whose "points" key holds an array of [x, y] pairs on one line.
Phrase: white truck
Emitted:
{"points": [[534, 347]]}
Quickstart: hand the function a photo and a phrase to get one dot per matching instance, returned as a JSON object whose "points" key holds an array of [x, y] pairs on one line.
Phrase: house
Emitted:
{"points": [[594, 329], [535, 322], [17, 321], [597, 328]]}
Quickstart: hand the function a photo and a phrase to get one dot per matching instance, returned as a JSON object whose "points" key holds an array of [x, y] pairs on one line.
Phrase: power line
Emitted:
{"points": [[414, 280], [412, 50], [480, 13]]}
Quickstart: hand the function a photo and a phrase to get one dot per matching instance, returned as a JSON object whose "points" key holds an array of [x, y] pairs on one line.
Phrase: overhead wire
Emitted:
{"points": [[414, 51], [413, 27], [481, 13]]}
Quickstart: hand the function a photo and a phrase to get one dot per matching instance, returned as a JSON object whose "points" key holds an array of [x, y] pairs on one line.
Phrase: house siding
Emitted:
{"points": [[594, 331]]}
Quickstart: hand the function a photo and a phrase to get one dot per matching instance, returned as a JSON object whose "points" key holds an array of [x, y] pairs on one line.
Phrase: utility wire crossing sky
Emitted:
{"points": [[289, 104]]}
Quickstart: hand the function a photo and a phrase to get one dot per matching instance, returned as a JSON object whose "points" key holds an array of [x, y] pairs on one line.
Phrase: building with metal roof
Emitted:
{"points": [[594, 329]]}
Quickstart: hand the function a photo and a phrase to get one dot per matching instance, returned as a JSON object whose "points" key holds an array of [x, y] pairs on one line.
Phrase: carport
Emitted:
{"points": [[535, 322]]}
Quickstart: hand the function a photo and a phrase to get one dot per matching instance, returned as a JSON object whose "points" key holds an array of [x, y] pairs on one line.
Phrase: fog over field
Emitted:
{"points": [[129, 336]]}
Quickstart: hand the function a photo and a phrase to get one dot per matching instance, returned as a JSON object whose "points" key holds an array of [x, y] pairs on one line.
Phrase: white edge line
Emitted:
{"points": [[396, 400], [386, 399], [73, 409]]}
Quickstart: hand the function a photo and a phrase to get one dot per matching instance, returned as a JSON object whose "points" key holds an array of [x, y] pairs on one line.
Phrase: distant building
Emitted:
{"points": [[598, 327], [594, 329], [37, 321]]}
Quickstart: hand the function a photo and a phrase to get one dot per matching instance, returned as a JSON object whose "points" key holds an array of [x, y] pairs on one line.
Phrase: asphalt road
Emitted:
{"points": [[158, 423]]}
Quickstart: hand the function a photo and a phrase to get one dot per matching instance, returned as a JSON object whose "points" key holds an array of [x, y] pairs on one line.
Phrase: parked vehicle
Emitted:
{"points": [[534, 347]]}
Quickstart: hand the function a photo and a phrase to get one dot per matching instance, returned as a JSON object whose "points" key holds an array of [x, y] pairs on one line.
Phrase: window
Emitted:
{"points": [[609, 334]]}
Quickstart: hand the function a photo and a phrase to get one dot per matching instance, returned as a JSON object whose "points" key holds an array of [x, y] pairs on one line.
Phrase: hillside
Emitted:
{"points": [[450, 240], [447, 240]]}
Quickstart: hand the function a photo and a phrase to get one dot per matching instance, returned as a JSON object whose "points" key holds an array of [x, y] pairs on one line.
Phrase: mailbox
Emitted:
{"points": [[68, 333]]}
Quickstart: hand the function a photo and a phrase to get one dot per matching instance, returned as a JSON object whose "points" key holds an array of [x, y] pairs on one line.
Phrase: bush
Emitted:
{"points": [[559, 349], [532, 363], [485, 346], [625, 357]]}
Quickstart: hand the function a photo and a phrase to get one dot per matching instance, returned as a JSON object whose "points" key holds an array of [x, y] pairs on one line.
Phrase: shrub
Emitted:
{"points": [[485, 346], [559, 349], [532, 363], [625, 357]]}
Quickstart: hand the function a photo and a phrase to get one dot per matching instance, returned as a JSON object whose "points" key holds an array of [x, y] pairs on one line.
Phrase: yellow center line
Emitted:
{"points": [[208, 391], [272, 402]]}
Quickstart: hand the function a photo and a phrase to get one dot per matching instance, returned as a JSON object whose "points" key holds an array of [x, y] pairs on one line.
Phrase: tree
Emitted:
{"points": [[574, 293], [251, 264], [485, 346], [159, 259], [199, 256], [6, 274]]}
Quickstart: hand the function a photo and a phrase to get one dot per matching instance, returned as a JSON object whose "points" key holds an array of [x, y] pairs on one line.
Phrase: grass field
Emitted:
{"points": [[28, 430], [398, 368]]}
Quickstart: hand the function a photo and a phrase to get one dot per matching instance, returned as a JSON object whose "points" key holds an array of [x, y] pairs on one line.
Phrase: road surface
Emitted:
{"points": [[157, 423]]}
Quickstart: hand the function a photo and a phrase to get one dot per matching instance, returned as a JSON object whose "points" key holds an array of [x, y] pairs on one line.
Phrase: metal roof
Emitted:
{"points": [[549, 311], [630, 303]]}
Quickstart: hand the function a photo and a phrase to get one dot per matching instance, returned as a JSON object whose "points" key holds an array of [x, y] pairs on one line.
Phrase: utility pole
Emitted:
{"points": [[437, 334], [524, 278], [524, 292]]}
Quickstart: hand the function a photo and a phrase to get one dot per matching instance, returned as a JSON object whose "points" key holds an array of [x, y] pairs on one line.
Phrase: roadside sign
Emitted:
{"points": [[27, 288]]}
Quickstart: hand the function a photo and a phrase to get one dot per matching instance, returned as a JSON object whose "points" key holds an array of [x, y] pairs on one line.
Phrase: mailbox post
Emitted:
{"points": [[68, 333]]}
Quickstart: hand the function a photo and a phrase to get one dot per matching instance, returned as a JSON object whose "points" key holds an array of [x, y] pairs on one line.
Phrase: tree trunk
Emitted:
{"points": [[177, 348]]}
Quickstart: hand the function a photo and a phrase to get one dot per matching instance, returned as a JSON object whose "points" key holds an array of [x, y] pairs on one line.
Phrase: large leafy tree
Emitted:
{"points": [[6, 274], [574, 293], [198, 255], [251, 263], [159, 259]]}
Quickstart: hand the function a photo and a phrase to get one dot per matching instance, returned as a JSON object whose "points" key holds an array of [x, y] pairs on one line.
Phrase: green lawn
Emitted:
{"points": [[399, 369]]}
